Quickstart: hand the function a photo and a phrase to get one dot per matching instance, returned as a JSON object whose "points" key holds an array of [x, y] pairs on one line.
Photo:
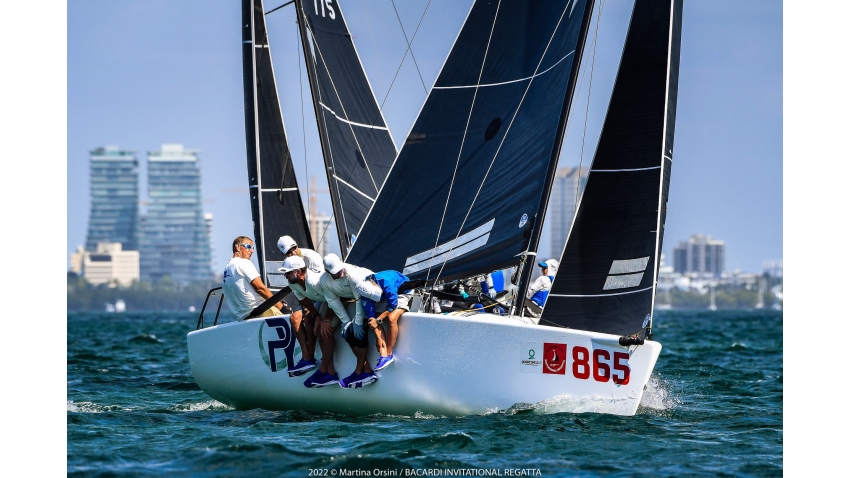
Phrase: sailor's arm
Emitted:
{"points": [[264, 291]]}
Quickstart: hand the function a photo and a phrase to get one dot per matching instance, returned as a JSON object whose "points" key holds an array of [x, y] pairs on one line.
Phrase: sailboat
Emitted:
{"points": [[467, 195]]}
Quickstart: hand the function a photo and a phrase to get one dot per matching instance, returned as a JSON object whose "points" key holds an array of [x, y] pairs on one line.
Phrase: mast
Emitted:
{"points": [[323, 135], [537, 227], [252, 138]]}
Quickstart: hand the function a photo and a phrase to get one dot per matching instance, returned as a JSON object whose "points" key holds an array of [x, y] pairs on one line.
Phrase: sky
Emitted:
{"points": [[141, 74]]}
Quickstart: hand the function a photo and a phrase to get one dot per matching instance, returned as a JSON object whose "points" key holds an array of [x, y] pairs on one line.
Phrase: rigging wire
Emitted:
{"points": [[587, 106], [410, 46], [278, 8], [392, 83]]}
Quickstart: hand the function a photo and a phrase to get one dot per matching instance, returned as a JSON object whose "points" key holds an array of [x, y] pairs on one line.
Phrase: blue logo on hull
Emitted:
{"points": [[285, 341]]}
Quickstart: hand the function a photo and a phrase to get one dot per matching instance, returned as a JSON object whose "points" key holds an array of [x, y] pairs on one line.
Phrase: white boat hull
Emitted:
{"points": [[444, 365]]}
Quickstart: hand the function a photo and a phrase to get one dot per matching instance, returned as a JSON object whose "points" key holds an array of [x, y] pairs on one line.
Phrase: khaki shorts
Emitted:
{"points": [[404, 301], [271, 312]]}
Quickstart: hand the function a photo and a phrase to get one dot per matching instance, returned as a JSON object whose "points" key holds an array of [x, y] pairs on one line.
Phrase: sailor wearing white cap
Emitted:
{"points": [[289, 248], [340, 283], [306, 285]]}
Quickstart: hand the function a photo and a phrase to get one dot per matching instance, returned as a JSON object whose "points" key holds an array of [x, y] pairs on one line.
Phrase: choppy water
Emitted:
{"points": [[713, 407]]}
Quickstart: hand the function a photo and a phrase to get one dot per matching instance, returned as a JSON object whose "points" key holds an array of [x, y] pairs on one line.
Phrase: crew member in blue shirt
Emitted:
{"points": [[384, 303]]}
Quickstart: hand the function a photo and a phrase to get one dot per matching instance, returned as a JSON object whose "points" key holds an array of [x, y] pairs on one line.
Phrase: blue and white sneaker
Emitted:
{"points": [[383, 362], [302, 367], [316, 375], [323, 381], [356, 380], [366, 378]]}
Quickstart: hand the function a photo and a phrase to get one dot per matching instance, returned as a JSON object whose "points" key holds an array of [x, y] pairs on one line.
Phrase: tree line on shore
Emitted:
{"points": [[166, 295], [163, 295]]}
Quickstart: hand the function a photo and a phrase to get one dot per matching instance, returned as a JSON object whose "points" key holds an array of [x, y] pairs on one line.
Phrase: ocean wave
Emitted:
{"points": [[91, 407], [146, 339], [196, 407]]}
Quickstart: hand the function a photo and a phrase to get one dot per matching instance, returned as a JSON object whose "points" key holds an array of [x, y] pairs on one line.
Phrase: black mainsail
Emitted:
{"points": [[466, 188], [276, 206], [607, 277], [356, 143]]}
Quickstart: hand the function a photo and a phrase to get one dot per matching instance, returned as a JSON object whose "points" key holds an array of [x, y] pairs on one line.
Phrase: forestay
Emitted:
{"points": [[356, 143], [606, 281], [276, 206], [463, 194]]}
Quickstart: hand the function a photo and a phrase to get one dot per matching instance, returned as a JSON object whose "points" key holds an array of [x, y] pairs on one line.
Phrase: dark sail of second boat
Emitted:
{"points": [[607, 277], [464, 192], [356, 143]]}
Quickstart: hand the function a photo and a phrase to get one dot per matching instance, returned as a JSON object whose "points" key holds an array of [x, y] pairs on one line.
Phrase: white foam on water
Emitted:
{"points": [[91, 407], [657, 395], [571, 404], [424, 416], [592, 404], [195, 407]]}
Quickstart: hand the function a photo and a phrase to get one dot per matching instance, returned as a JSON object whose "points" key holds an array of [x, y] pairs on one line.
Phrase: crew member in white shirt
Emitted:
{"points": [[242, 285], [340, 282], [318, 322], [538, 292]]}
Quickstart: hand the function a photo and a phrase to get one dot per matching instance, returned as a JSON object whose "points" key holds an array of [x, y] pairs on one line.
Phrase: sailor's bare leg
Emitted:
{"points": [[380, 337], [328, 344], [304, 334], [392, 329], [362, 363]]}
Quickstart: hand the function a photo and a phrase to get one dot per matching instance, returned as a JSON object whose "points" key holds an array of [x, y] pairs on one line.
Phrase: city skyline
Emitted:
{"points": [[727, 174]]}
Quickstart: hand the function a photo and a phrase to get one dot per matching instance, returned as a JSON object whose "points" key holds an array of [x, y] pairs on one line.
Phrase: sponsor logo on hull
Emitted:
{"points": [[555, 358], [277, 343]]}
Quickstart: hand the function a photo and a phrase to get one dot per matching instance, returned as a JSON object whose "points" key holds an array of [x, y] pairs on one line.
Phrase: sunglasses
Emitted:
{"points": [[291, 251], [247, 246]]}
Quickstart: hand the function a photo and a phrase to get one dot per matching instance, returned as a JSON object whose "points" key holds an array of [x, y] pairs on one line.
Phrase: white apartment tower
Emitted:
{"points": [[567, 188]]}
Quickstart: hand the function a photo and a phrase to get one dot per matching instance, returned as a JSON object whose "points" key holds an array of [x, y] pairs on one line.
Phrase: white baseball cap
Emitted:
{"points": [[292, 263], [285, 243], [369, 290], [333, 263]]}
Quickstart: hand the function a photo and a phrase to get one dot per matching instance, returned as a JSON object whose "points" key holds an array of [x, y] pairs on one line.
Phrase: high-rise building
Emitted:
{"points": [[109, 264], [114, 215], [175, 238], [701, 255], [569, 182]]}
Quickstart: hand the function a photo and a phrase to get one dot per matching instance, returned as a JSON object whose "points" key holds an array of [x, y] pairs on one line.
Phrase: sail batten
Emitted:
{"points": [[601, 286]]}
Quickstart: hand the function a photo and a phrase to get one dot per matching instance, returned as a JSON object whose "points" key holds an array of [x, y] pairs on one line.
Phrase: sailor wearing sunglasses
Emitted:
{"points": [[242, 285]]}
